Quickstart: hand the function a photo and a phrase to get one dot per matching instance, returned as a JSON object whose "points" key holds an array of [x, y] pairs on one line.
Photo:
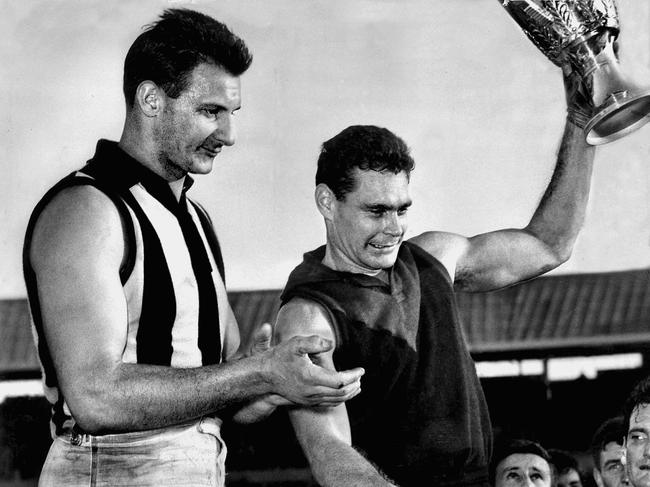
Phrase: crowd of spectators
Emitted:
{"points": [[619, 454]]}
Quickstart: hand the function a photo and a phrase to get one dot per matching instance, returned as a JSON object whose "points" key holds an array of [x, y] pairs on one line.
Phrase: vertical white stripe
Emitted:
{"points": [[133, 291], [228, 327], [185, 331]]}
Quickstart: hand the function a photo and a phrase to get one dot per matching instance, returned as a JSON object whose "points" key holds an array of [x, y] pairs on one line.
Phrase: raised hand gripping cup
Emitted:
{"points": [[581, 33]]}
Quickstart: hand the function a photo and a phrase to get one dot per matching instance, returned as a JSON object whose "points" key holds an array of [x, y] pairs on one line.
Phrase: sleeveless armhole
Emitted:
{"points": [[335, 322], [210, 234], [424, 255], [73, 180]]}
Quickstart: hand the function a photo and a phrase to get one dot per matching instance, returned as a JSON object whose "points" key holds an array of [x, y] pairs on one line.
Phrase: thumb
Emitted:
{"points": [[262, 339], [306, 345]]}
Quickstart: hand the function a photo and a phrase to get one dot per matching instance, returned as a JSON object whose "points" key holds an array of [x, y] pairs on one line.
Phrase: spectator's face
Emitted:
{"points": [[366, 227], [523, 469], [638, 447], [569, 478], [612, 467]]}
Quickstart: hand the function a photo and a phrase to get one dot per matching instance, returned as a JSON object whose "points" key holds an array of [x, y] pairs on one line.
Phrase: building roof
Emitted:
{"points": [[561, 315], [550, 316]]}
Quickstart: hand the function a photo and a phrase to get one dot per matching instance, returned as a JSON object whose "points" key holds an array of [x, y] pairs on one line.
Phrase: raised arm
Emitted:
{"points": [[76, 252], [502, 258], [324, 432]]}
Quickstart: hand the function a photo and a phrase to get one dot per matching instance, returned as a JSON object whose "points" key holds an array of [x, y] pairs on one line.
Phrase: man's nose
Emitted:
{"points": [[226, 131], [392, 225]]}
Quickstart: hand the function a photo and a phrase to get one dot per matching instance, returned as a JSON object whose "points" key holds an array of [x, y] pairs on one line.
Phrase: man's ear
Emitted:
{"points": [[325, 200], [598, 477], [149, 98]]}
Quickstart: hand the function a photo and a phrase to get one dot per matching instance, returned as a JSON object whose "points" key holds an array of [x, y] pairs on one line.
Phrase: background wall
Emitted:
{"points": [[481, 108]]}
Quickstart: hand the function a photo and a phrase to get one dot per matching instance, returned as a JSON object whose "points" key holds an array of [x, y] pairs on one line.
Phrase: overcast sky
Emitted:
{"points": [[481, 108]]}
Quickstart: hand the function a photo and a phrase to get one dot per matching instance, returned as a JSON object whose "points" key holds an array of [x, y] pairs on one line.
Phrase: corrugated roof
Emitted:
{"points": [[551, 315]]}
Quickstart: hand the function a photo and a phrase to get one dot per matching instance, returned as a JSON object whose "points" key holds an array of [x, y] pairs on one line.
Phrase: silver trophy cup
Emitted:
{"points": [[582, 34]]}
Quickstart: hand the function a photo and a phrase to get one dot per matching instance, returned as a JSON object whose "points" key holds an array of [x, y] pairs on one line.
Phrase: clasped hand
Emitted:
{"points": [[296, 375]]}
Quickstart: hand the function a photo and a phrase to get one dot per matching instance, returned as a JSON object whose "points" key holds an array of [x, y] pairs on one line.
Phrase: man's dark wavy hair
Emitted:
{"points": [[611, 430], [366, 147], [170, 48], [640, 396]]}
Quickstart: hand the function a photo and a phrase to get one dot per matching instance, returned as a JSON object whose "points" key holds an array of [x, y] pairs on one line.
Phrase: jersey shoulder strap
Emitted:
{"points": [[76, 179]]}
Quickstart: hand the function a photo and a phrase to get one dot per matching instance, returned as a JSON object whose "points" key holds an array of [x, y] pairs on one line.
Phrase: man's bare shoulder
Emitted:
{"points": [[447, 247], [78, 221], [302, 316]]}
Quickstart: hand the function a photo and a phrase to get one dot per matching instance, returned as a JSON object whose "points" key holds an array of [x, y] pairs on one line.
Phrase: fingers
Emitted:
{"points": [[351, 376], [325, 397], [306, 345], [262, 339], [278, 400]]}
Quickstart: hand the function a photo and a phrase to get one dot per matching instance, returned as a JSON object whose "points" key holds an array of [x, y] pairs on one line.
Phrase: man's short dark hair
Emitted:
{"points": [[169, 49], [640, 396], [366, 147], [509, 447], [563, 461], [611, 431]]}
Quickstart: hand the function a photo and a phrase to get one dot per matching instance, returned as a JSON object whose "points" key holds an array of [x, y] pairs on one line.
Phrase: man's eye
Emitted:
{"points": [[615, 466], [210, 112], [402, 211], [512, 475]]}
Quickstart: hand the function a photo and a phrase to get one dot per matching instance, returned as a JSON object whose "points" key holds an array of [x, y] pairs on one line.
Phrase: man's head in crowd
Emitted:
{"points": [[520, 463], [636, 415], [608, 451], [565, 469]]}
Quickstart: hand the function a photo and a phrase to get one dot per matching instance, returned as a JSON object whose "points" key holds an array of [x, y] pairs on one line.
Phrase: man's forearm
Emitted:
{"points": [[110, 395], [324, 436], [136, 396], [336, 464], [561, 212]]}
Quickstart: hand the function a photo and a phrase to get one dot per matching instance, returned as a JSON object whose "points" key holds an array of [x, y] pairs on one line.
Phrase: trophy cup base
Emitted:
{"points": [[622, 114]]}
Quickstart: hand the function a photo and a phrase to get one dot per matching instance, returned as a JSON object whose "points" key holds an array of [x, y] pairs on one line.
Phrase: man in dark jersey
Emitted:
{"points": [[388, 304], [125, 284]]}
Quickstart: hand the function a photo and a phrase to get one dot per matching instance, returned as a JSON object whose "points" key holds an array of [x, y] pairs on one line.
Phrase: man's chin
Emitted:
{"points": [[203, 165]]}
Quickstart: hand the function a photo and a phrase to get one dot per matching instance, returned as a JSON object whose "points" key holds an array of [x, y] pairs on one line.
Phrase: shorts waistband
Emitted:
{"points": [[207, 424]]}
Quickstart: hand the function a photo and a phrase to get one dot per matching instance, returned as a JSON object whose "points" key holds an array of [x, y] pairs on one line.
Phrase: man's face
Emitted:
{"points": [[369, 223], [569, 478], [193, 128], [612, 466], [638, 447], [523, 469]]}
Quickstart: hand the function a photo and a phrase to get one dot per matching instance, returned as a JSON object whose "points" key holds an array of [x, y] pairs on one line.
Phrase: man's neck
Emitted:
{"points": [[177, 187], [340, 263], [136, 147]]}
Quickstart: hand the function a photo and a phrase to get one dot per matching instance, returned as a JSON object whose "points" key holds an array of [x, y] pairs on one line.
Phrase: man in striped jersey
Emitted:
{"points": [[124, 277]]}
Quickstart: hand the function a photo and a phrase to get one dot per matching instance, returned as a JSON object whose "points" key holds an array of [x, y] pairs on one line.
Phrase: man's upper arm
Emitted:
{"points": [[490, 260], [313, 425], [76, 252]]}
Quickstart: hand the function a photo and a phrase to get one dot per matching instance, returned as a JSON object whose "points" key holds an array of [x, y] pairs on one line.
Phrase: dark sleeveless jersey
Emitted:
{"points": [[421, 415], [172, 319]]}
